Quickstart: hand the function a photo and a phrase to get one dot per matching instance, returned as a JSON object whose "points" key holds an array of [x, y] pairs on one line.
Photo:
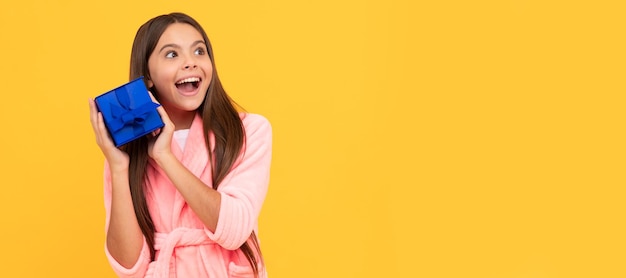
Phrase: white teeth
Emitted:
{"points": [[187, 80]]}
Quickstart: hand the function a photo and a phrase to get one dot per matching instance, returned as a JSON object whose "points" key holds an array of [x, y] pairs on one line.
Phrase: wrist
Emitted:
{"points": [[118, 171], [118, 167], [163, 158]]}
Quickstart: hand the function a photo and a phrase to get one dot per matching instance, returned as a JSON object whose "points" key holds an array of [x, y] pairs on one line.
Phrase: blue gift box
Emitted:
{"points": [[128, 112]]}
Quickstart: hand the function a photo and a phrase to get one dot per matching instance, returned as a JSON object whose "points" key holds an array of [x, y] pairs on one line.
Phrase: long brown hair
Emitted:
{"points": [[219, 115]]}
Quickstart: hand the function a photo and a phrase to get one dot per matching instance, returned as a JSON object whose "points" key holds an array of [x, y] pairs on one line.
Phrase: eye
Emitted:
{"points": [[200, 51], [171, 54]]}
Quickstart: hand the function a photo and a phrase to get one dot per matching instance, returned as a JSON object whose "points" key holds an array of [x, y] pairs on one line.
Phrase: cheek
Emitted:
{"points": [[209, 71], [161, 77]]}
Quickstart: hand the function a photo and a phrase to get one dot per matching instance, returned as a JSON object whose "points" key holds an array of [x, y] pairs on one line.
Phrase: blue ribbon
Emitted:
{"points": [[123, 115]]}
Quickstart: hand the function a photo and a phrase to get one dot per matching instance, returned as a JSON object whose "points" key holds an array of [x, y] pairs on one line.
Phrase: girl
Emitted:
{"points": [[184, 201]]}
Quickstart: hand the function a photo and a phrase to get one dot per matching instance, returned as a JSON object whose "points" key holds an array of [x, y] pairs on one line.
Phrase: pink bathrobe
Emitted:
{"points": [[185, 248]]}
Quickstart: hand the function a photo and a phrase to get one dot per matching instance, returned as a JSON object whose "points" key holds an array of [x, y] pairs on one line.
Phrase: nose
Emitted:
{"points": [[190, 63]]}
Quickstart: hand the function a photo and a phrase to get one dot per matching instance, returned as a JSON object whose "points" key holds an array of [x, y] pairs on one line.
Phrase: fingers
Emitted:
{"points": [[162, 113], [97, 123], [166, 119], [95, 118], [100, 130], [155, 132], [93, 114], [103, 138], [153, 98]]}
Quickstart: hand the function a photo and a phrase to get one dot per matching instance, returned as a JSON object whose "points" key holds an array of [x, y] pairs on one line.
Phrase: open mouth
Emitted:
{"points": [[188, 84]]}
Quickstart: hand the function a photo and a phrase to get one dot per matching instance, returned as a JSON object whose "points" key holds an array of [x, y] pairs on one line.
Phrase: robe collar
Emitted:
{"points": [[195, 156]]}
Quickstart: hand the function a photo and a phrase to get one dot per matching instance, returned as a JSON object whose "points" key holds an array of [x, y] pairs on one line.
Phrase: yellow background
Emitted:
{"points": [[411, 138]]}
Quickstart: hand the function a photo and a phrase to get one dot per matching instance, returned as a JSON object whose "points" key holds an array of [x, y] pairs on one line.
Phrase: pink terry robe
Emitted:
{"points": [[185, 247]]}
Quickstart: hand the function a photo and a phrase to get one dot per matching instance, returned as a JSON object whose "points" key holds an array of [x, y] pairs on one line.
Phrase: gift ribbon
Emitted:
{"points": [[124, 116]]}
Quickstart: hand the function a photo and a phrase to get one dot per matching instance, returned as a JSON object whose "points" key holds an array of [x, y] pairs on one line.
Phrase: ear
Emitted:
{"points": [[150, 83]]}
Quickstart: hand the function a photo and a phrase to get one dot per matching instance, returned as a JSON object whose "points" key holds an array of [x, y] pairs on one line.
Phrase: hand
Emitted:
{"points": [[160, 144], [116, 158]]}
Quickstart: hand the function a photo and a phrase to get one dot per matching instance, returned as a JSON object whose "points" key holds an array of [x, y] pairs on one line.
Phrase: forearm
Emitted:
{"points": [[202, 199], [124, 237]]}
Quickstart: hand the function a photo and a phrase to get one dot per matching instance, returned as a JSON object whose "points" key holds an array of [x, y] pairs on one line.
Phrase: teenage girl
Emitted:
{"points": [[185, 200]]}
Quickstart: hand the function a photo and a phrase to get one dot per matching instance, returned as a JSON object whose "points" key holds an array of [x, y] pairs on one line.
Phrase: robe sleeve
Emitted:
{"points": [[243, 190], [141, 266]]}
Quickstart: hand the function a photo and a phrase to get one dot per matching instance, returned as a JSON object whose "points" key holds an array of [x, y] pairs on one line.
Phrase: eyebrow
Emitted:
{"points": [[173, 45]]}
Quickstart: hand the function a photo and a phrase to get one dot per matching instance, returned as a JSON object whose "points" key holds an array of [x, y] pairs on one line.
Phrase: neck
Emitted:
{"points": [[181, 119]]}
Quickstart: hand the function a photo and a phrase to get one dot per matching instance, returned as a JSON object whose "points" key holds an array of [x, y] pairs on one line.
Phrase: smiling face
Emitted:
{"points": [[180, 71]]}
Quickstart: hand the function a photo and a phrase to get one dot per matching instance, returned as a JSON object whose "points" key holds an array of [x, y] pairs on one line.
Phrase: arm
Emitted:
{"points": [[245, 187], [202, 199], [126, 249], [124, 241], [229, 213]]}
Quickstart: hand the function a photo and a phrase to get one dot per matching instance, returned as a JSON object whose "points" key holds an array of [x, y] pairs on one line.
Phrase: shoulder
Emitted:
{"points": [[258, 137], [255, 123]]}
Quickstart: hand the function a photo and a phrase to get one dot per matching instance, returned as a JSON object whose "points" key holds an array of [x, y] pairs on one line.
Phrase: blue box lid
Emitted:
{"points": [[128, 112]]}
